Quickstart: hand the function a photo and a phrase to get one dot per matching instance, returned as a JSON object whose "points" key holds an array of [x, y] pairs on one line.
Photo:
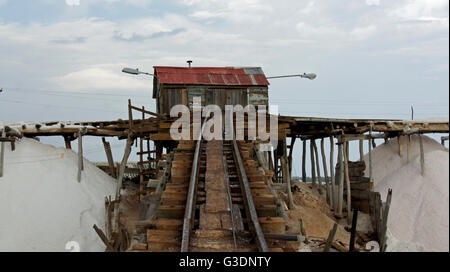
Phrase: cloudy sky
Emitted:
{"points": [[62, 59]]}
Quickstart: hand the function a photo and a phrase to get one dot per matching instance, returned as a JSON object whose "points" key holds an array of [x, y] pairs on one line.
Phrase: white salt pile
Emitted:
{"points": [[42, 205], [419, 212]]}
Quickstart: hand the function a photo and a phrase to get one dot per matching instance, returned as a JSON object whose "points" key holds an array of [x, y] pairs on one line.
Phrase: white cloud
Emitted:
{"points": [[73, 2], [417, 9], [373, 2], [233, 10], [108, 77]]}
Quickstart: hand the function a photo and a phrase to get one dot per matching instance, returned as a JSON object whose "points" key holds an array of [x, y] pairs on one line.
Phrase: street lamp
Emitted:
{"points": [[309, 76], [134, 71]]}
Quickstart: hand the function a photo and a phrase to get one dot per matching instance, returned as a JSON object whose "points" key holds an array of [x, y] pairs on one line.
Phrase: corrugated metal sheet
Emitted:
{"points": [[231, 76]]}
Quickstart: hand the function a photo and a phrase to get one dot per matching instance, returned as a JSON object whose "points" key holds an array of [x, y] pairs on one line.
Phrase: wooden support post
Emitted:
{"points": [[353, 230], [347, 149], [341, 177], [287, 180], [291, 151], [316, 155], [67, 142], [2, 154], [275, 165], [422, 155], [119, 184], [109, 157], [361, 150], [325, 171], [333, 199], [330, 238], [302, 230], [103, 237], [408, 149], [80, 154], [130, 114], [268, 155], [385, 214], [400, 145], [347, 183], [304, 162], [313, 164], [443, 139], [371, 141]]}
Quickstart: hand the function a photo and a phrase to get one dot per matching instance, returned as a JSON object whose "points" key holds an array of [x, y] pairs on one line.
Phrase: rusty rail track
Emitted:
{"points": [[249, 205], [191, 199]]}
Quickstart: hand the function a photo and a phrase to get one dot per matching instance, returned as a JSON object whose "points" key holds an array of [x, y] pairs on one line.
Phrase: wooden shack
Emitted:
{"points": [[214, 85]]}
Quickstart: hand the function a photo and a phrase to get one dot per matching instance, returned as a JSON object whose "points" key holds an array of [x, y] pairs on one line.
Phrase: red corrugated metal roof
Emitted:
{"points": [[247, 76]]}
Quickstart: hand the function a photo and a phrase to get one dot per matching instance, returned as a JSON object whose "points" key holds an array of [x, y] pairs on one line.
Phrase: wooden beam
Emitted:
{"points": [[80, 153], [304, 161], [333, 199], [316, 155], [325, 171], [385, 214], [2, 154], [313, 164], [422, 156], [330, 238], [103, 238], [119, 185], [67, 141], [109, 157], [287, 180], [361, 150], [371, 141], [341, 177], [408, 149], [291, 151], [347, 182], [443, 139]]}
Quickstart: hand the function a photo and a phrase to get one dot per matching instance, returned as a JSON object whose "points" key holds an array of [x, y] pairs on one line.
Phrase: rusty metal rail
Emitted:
{"points": [[249, 205], [189, 214], [190, 203]]}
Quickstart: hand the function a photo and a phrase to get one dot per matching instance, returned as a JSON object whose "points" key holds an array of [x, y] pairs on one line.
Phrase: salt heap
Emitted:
{"points": [[42, 205], [419, 212]]}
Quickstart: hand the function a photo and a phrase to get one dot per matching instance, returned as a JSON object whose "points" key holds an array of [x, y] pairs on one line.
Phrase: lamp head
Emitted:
{"points": [[131, 71]]}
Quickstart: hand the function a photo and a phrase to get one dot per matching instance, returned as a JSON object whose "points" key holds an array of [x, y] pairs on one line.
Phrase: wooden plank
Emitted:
{"points": [[313, 164], [330, 238], [80, 154], [286, 180], [109, 157], [370, 155], [103, 238], [385, 221], [316, 155], [341, 177], [304, 161], [325, 172], [347, 182], [273, 224], [422, 156], [361, 150], [333, 199], [2, 154]]}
